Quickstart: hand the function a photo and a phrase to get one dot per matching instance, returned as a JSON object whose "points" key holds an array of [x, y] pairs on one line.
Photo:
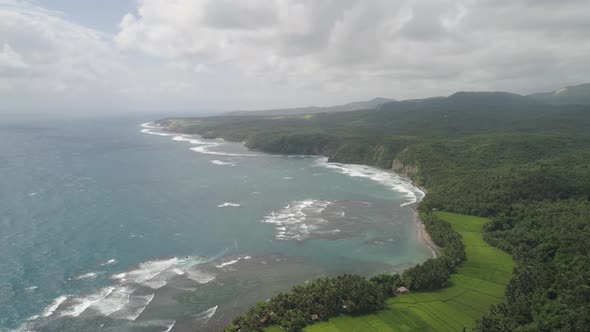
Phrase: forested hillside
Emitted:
{"points": [[524, 162]]}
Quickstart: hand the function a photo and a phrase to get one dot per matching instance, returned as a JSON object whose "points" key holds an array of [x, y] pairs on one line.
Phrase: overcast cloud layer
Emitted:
{"points": [[223, 54]]}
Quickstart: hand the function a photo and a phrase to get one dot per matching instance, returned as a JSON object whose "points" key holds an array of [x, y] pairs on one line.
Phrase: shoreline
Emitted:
{"points": [[422, 235]]}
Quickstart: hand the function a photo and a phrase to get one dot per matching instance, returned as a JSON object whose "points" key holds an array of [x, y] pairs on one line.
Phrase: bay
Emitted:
{"points": [[110, 226]]}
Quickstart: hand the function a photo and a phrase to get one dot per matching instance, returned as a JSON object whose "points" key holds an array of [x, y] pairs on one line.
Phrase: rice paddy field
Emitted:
{"points": [[477, 284]]}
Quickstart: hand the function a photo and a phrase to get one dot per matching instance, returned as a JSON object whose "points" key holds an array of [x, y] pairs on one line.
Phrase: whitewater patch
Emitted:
{"points": [[78, 305], [387, 178], [206, 315], [223, 163], [167, 325], [53, 306], [109, 262], [298, 219], [87, 276], [231, 262], [132, 292], [204, 147], [228, 204]]}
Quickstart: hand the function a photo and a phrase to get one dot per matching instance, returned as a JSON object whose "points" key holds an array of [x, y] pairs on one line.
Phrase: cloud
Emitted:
{"points": [[222, 54], [11, 63], [43, 56], [401, 48]]}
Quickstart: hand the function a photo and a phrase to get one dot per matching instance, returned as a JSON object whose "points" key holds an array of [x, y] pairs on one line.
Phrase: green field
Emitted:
{"points": [[476, 285]]}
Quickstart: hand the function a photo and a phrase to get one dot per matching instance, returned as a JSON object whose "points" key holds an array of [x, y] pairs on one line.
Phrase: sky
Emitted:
{"points": [[215, 55]]}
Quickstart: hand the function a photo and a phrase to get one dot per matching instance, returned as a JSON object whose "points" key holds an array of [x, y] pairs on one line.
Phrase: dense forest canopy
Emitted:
{"points": [[524, 161]]}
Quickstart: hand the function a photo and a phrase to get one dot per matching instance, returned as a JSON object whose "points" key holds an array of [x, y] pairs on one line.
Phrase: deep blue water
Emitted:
{"points": [[84, 199]]}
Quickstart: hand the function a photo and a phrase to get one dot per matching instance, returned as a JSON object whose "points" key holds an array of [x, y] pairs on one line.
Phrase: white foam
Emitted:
{"points": [[223, 163], [232, 261], [114, 302], [292, 221], [228, 204], [228, 263], [78, 305], [89, 276], [170, 327], [387, 178], [150, 127], [166, 324], [205, 149], [109, 262], [134, 308], [118, 276], [206, 315], [182, 138], [199, 276], [51, 308], [121, 301]]}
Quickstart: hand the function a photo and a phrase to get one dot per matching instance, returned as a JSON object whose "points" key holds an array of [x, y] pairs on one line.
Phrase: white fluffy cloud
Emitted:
{"points": [[223, 54], [44, 59], [402, 48]]}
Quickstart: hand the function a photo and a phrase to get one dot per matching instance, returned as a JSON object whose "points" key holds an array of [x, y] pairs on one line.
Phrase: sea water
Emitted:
{"points": [[108, 223]]}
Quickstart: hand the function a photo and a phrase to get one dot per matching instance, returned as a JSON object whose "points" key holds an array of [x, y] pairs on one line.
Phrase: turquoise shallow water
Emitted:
{"points": [[106, 228]]}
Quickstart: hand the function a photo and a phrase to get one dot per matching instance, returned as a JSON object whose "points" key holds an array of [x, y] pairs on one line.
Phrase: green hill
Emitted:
{"points": [[521, 161], [479, 283]]}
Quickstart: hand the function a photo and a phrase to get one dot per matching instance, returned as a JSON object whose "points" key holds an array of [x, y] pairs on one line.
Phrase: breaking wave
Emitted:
{"points": [[205, 147], [298, 219], [133, 291], [387, 178], [228, 204], [223, 163]]}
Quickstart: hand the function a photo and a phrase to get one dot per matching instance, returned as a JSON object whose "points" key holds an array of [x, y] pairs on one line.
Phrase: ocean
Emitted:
{"points": [[109, 224]]}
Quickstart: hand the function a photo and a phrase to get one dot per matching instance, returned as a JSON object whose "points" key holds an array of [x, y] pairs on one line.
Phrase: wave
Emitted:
{"points": [[78, 305], [204, 148], [298, 219], [122, 301], [206, 315], [87, 276], [135, 307], [387, 178], [223, 163], [109, 262], [232, 262], [166, 324], [200, 276], [53, 306], [228, 204]]}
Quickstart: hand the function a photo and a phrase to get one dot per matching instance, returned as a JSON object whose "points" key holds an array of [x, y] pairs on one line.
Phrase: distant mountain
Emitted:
{"points": [[354, 106], [578, 94], [572, 95]]}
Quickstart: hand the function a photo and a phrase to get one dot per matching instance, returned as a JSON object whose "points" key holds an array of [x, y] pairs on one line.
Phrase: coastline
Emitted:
{"points": [[422, 235]]}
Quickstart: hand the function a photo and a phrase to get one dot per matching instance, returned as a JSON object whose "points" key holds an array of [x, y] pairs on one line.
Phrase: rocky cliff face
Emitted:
{"points": [[405, 168]]}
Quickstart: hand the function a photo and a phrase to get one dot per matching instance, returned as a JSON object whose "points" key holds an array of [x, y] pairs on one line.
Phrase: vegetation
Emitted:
{"points": [[523, 162], [353, 295], [473, 288]]}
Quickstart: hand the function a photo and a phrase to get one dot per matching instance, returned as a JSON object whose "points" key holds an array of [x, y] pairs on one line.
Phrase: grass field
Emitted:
{"points": [[476, 285]]}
